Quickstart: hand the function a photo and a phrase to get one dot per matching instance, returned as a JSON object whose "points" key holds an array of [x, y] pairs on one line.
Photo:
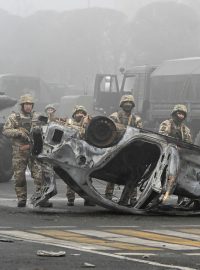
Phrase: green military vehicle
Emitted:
{"points": [[176, 81], [6, 171], [67, 104], [108, 90], [156, 90]]}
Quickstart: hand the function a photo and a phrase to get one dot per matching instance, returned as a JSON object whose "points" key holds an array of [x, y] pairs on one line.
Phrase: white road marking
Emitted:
{"points": [[52, 227], [184, 225], [176, 233], [117, 226], [32, 237], [135, 254], [133, 240], [50, 241], [8, 199], [192, 254]]}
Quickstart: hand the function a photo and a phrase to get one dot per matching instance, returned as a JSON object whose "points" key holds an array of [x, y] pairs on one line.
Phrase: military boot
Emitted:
{"points": [[70, 203], [133, 201], [109, 191], [196, 205], [21, 203], [108, 196]]}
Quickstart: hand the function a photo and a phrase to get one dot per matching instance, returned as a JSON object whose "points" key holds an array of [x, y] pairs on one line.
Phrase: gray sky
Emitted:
{"points": [[26, 7]]}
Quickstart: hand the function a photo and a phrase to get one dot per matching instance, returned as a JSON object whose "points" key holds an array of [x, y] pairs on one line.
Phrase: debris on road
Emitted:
{"points": [[51, 253], [88, 265], [145, 257]]}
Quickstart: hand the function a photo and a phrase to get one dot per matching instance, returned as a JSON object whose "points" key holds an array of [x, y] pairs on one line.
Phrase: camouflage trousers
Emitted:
{"points": [[131, 194], [109, 190], [70, 194], [21, 160]]}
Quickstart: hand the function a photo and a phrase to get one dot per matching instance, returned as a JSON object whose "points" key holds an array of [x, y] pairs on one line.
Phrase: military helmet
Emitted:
{"points": [[27, 98], [50, 106], [126, 98], [78, 108], [181, 108]]}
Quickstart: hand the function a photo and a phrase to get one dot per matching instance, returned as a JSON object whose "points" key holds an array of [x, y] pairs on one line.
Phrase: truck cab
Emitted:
{"points": [[106, 93], [109, 88]]}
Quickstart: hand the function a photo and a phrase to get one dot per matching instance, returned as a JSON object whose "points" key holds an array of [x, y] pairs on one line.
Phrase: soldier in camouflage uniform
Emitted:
{"points": [[17, 128], [50, 110], [176, 128], [127, 118], [79, 120]]}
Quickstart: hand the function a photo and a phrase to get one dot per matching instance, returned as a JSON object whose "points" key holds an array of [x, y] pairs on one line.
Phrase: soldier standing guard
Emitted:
{"points": [[17, 128], [79, 120], [176, 128], [127, 118]]}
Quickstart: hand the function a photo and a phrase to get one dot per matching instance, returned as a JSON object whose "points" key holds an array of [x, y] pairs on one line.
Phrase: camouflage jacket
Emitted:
{"points": [[73, 123], [132, 120], [18, 127], [80, 126], [170, 128]]}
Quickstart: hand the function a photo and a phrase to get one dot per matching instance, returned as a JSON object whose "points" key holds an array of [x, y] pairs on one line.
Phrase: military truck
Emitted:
{"points": [[156, 90], [6, 171], [16, 85], [108, 90], [67, 104]]}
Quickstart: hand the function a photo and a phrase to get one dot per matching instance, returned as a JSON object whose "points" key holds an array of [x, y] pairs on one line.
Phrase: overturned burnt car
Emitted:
{"points": [[157, 166]]}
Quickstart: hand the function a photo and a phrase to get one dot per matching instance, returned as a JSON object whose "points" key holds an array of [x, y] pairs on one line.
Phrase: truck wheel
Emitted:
{"points": [[197, 139], [6, 171]]}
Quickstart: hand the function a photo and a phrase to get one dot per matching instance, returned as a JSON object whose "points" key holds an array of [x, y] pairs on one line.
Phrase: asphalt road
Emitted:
{"points": [[92, 237]]}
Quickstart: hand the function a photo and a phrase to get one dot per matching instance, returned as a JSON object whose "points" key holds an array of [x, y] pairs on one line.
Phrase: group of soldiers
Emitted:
{"points": [[19, 125], [174, 127], [18, 128]]}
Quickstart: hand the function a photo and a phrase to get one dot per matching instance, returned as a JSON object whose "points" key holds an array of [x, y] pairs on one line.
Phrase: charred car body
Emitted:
{"points": [[157, 165]]}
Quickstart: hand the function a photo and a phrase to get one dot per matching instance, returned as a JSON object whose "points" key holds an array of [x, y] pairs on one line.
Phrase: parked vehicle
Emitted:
{"points": [[156, 90], [6, 171]]}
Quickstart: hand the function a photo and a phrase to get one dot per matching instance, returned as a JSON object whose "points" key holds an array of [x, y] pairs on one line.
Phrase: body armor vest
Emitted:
{"points": [[25, 121]]}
